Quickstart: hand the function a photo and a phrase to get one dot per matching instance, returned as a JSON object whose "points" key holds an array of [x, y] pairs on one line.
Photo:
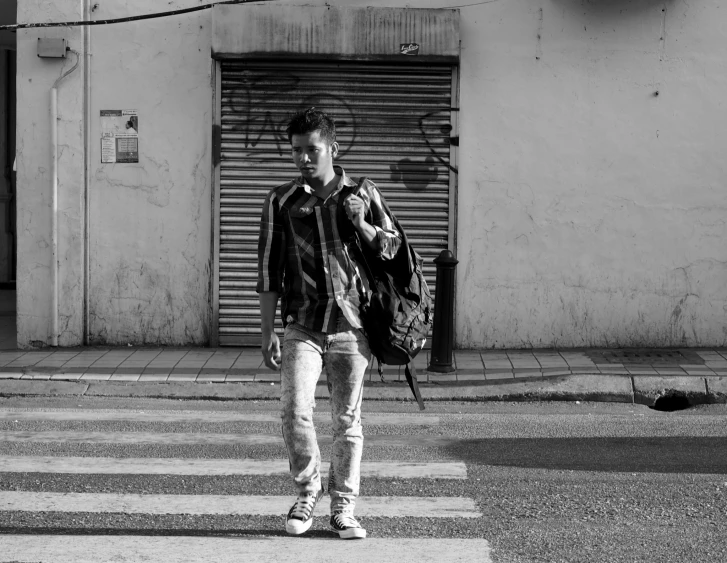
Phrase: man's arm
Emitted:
{"points": [[367, 233], [271, 261], [271, 342], [381, 236]]}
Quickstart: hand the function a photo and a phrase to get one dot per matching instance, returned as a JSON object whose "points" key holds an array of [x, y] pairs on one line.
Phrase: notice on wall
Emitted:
{"points": [[119, 135]]}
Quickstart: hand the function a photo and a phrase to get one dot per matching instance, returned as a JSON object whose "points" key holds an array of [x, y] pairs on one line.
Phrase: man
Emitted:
{"points": [[302, 259]]}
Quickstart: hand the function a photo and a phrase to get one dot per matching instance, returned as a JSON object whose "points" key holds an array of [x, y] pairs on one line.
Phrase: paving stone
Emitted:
{"points": [[717, 387], [555, 373], [186, 371], [11, 375], [182, 376], [106, 364], [523, 364], [498, 364], [468, 363], [703, 372], [188, 364], [471, 376], [441, 377], [90, 376], [66, 376], [153, 376], [474, 371], [125, 376], [248, 362], [642, 371], [553, 363], [144, 355], [212, 371], [708, 355], [153, 370], [239, 377], [521, 373], [495, 375], [38, 376], [135, 364], [211, 377]]}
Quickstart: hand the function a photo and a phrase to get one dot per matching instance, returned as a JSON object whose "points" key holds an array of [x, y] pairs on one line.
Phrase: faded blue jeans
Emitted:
{"points": [[345, 356]]}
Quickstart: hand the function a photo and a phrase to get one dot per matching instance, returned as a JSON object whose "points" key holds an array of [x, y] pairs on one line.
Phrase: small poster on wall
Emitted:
{"points": [[119, 135]]}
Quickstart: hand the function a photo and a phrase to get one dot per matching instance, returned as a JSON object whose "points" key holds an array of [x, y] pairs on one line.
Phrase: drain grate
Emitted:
{"points": [[642, 356]]}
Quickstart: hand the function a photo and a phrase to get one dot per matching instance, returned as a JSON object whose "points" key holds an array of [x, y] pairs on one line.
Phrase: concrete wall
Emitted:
{"points": [[150, 226], [34, 180], [140, 265], [594, 208], [591, 209]]}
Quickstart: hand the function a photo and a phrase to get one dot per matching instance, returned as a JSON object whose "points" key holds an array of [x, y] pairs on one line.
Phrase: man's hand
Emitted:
{"points": [[271, 350], [355, 209]]}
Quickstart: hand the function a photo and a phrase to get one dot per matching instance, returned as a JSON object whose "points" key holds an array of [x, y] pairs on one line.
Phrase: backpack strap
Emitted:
{"points": [[348, 233], [411, 378]]}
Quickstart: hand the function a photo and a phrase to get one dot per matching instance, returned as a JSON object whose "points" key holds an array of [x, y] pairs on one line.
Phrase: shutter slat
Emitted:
{"points": [[393, 124]]}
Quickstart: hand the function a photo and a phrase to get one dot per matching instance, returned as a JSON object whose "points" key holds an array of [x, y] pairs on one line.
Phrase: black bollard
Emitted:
{"points": [[443, 331]]}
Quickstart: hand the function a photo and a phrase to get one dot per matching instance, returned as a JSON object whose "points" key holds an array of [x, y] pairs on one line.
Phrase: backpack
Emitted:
{"points": [[399, 314]]}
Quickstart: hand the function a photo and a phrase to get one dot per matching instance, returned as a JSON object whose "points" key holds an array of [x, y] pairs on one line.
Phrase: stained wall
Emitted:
{"points": [[591, 196]]}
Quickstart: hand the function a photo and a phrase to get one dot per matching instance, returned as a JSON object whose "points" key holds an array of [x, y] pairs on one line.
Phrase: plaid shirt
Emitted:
{"points": [[301, 257]]}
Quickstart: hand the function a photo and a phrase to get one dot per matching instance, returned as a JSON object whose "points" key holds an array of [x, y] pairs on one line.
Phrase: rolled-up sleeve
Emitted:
{"points": [[387, 236], [271, 247]]}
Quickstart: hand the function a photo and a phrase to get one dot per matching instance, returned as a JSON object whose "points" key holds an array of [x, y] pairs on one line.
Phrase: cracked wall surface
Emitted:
{"points": [[149, 228], [592, 175], [151, 222], [591, 206], [35, 79]]}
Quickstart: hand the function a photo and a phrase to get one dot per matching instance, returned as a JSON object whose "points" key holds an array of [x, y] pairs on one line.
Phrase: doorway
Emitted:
{"points": [[8, 251]]}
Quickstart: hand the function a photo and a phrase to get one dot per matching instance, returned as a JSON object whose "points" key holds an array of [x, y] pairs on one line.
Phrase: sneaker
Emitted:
{"points": [[300, 515], [347, 526]]}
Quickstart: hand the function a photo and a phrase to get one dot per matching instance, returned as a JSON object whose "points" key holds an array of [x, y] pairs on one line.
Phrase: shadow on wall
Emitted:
{"points": [[612, 11]]}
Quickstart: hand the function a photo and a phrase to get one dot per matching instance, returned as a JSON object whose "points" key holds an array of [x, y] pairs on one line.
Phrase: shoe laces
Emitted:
{"points": [[346, 520], [304, 506]]}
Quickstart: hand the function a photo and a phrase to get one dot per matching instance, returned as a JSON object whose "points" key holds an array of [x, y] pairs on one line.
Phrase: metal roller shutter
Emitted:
{"points": [[393, 124]]}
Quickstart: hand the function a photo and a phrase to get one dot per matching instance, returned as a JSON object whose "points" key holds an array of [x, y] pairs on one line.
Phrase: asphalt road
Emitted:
{"points": [[550, 481]]}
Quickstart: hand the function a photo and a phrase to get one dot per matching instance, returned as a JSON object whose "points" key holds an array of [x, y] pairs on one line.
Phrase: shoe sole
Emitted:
{"points": [[351, 534], [297, 527]]}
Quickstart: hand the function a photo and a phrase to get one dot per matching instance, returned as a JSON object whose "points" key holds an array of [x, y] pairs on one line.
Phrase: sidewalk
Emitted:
{"points": [[622, 375]]}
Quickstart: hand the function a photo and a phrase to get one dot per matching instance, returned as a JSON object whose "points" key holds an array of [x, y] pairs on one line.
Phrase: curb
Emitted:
{"points": [[645, 390]]}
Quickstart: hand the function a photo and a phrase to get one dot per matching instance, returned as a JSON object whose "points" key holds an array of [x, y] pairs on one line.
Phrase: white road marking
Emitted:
{"points": [[185, 549], [201, 416], [210, 467], [422, 507], [178, 438], [169, 438]]}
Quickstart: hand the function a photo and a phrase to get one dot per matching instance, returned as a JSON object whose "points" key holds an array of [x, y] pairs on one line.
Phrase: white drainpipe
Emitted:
{"points": [[54, 202]]}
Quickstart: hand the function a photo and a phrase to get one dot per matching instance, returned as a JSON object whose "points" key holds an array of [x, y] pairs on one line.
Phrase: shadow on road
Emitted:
{"points": [[644, 455]]}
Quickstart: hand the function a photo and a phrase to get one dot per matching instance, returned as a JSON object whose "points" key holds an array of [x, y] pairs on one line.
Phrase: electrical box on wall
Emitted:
{"points": [[52, 48]]}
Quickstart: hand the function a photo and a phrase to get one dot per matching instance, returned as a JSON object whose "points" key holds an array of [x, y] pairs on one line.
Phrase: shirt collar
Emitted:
{"points": [[344, 181]]}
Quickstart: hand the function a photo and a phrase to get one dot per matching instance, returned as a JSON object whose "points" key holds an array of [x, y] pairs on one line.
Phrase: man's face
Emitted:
{"points": [[312, 155]]}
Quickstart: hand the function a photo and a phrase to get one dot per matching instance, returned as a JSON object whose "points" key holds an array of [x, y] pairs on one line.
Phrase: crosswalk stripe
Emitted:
{"points": [[185, 549], [210, 467], [201, 417], [175, 438], [422, 507]]}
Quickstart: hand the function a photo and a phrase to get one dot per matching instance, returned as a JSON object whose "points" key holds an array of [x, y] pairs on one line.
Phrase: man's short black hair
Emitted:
{"points": [[309, 120]]}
